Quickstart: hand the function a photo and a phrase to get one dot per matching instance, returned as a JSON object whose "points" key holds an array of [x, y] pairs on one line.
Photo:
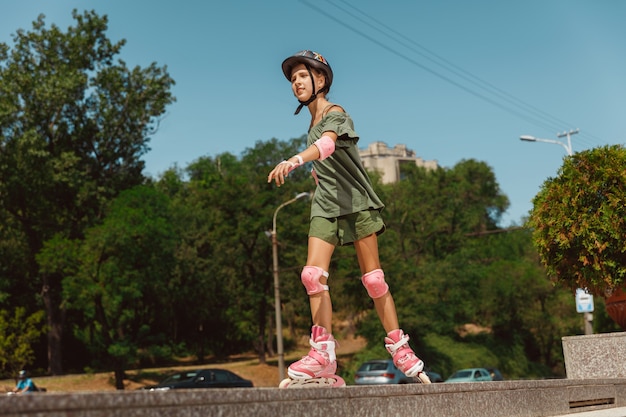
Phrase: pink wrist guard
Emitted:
{"points": [[292, 166], [326, 146]]}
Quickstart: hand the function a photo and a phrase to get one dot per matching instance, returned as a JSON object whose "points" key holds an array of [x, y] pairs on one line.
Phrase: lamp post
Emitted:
{"points": [[279, 321], [587, 316], [567, 146]]}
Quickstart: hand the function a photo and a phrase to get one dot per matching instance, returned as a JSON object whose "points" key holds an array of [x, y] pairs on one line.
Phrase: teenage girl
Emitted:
{"points": [[345, 211]]}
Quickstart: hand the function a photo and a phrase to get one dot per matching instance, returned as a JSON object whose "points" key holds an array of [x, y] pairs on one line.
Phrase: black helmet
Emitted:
{"points": [[22, 374], [309, 59]]}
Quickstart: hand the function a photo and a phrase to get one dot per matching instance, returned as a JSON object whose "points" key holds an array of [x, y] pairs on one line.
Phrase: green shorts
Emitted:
{"points": [[345, 230]]}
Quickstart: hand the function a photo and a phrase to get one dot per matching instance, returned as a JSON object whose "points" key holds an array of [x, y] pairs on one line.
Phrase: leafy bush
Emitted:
{"points": [[578, 221], [18, 333]]}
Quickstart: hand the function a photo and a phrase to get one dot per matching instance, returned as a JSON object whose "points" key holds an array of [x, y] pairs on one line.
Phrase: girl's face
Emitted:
{"points": [[301, 82]]}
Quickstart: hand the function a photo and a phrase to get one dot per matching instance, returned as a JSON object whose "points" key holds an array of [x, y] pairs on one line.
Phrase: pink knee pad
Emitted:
{"points": [[374, 283], [311, 279]]}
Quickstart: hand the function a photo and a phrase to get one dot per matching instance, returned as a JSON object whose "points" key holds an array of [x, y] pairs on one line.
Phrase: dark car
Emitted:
{"points": [[383, 371], [202, 378]]}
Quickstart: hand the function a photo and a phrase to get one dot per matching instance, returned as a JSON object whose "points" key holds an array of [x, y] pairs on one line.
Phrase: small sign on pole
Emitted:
{"points": [[584, 301]]}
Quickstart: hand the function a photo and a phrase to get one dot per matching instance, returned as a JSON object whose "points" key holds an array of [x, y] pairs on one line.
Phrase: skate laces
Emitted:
{"points": [[397, 343], [397, 346], [322, 351], [402, 354]]}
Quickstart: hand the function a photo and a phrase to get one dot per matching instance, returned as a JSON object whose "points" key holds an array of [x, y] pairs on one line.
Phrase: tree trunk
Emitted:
{"points": [[55, 320], [270, 339], [260, 346], [262, 320], [119, 377], [200, 353]]}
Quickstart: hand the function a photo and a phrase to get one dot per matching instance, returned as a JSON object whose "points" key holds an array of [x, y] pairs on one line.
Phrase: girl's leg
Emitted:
{"points": [[319, 254], [321, 359], [367, 254], [396, 341]]}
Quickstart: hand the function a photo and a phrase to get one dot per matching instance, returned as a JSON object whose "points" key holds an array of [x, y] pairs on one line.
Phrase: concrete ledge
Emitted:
{"points": [[611, 412], [509, 398], [595, 356]]}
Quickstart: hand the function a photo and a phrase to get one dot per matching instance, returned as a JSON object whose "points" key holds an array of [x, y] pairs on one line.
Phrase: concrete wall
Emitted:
{"points": [[595, 356], [508, 398]]}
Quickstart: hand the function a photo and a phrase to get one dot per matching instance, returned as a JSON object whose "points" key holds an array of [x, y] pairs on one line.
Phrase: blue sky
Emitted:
{"points": [[452, 80]]}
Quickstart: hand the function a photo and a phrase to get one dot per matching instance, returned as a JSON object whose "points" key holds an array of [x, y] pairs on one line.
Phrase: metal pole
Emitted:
{"points": [[569, 134], [588, 318], [277, 305], [279, 324], [567, 146]]}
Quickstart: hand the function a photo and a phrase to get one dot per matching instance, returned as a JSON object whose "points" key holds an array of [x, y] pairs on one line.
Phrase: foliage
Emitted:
{"points": [[578, 221], [492, 282], [224, 260], [17, 335], [14, 288], [490, 269], [122, 285], [461, 354], [74, 123], [453, 272], [430, 213]]}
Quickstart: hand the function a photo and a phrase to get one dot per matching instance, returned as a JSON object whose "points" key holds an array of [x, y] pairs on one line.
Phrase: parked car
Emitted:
{"points": [[380, 371], [470, 375], [202, 378], [383, 371]]}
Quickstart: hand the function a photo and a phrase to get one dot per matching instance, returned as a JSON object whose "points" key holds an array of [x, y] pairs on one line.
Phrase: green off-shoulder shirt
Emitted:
{"points": [[344, 186]]}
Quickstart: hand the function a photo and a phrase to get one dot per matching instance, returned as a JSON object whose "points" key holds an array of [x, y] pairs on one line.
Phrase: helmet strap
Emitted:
{"points": [[313, 95]]}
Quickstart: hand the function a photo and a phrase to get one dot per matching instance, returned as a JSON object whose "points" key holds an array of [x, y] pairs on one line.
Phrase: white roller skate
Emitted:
{"points": [[318, 367], [397, 344]]}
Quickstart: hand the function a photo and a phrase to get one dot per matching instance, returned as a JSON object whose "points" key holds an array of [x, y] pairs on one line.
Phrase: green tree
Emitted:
{"points": [[431, 212], [578, 221], [123, 284], [449, 267], [15, 289], [525, 312], [236, 205], [431, 215], [74, 123], [198, 278]]}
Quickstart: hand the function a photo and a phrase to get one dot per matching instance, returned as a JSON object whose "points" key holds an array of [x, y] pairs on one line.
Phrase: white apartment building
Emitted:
{"points": [[387, 161]]}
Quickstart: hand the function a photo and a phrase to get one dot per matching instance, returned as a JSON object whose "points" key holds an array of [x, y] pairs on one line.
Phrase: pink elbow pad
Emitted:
{"points": [[326, 146]]}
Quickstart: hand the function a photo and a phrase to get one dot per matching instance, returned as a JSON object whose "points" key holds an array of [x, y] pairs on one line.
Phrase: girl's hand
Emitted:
{"points": [[280, 172]]}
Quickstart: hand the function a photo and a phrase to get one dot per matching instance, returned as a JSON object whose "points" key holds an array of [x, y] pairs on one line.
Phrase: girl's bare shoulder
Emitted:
{"points": [[333, 108]]}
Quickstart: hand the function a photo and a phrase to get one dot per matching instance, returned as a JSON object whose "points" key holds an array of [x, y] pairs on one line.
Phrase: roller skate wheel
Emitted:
{"points": [[423, 378]]}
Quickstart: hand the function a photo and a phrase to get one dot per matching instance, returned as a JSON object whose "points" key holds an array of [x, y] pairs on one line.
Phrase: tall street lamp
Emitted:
{"points": [[279, 321], [567, 146], [587, 316]]}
